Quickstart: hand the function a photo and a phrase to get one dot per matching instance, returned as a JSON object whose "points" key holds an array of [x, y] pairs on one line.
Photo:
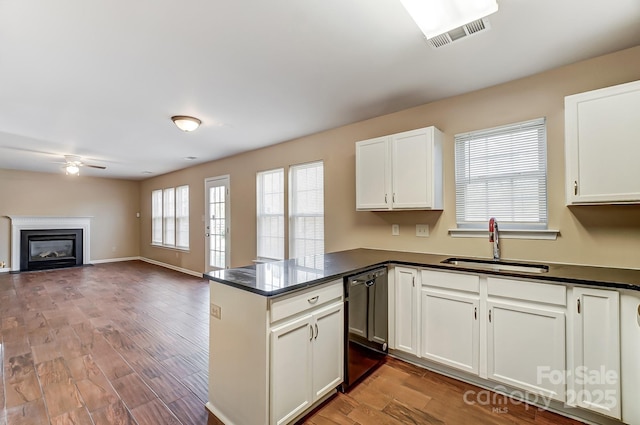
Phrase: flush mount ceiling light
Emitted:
{"points": [[435, 17], [186, 123]]}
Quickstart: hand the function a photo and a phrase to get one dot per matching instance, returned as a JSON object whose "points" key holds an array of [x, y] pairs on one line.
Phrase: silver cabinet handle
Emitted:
{"points": [[475, 313], [413, 281], [313, 300], [316, 337], [394, 197], [575, 187], [489, 316], [311, 329]]}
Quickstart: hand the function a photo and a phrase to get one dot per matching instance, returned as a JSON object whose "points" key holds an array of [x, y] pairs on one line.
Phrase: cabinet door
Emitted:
{"points": [[594, 381], [406, 310], [373, 174], [524, 343], [412, 170], [328, 349], [291, 369], [601, 146], [450, 329]]}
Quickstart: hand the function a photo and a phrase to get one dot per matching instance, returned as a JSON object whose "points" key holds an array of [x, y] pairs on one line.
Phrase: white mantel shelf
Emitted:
{"points": [[33, 222]]}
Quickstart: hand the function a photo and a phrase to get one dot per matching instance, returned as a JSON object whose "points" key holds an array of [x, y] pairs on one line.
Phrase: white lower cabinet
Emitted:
{"points": [[306, 361], [449, 320], [594, 367], [526, 347], [406, 309]]}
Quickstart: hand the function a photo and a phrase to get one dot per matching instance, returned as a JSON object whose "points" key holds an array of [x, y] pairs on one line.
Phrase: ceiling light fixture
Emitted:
{"points": [[435, 17], [186, 123], [72, 169]]}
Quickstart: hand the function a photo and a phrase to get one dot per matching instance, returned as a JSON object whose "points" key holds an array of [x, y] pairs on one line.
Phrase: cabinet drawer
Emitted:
{"points": [[527, 291], [455, 281], [288, 305]]}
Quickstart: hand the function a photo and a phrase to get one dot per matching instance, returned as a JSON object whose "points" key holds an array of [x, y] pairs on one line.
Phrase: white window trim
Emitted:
{"points": [[262, 258], [172, 247], [539, 231], [542, 234], [291, 201]]}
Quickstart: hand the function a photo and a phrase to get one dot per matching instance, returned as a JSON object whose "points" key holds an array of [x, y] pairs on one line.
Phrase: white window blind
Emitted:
{"points": [[270, 214], [156, 217], [306, 209], [182, 216], [169, 216], [501, 172]]}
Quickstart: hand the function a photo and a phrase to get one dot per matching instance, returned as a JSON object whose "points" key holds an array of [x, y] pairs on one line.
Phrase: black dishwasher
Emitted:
{"points": [[367, 322]]}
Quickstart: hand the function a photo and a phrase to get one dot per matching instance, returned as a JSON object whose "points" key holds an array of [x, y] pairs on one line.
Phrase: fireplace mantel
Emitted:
{"points": [[30, 222]]}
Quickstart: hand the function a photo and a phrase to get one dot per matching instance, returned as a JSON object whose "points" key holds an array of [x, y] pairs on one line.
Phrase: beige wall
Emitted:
{"points": [[599, 235], [112, 204]]}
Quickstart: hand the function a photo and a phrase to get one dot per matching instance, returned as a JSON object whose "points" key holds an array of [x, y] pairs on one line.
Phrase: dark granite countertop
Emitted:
{"points": [[279, 277]]}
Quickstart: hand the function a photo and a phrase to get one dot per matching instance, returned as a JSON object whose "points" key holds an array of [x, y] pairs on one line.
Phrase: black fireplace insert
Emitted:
{"points": [[50, 249]]}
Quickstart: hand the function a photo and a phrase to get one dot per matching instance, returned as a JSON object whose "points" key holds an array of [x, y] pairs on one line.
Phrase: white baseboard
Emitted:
{"points": [[172, 267], [5, 270], [113, 260]]}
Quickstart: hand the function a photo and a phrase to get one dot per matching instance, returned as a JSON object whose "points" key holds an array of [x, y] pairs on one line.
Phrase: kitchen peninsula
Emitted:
{"points": [[255, 308]]}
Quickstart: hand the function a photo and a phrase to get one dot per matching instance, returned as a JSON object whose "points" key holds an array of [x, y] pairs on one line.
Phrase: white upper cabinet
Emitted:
{"points": [[602, 145], [400, 171]]}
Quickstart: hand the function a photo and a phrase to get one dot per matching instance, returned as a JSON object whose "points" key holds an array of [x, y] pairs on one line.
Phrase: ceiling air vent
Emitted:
{"points": [[459, 33]]}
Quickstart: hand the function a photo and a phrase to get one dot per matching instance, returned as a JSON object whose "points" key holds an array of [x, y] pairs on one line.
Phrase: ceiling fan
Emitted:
{"points": [[73, 163]]}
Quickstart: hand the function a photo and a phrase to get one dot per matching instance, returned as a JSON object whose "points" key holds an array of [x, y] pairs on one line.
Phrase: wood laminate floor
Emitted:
{"points": [[127, 343]]}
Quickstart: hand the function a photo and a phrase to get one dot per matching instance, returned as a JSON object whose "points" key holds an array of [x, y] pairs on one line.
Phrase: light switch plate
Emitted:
{"points": [[422, 230], [395, 230]]}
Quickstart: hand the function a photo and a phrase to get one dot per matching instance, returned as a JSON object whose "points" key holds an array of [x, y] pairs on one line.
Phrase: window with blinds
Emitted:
{"points": [[502, 172], [306, 209], [182, 217], [270, 214], [170, 217], [156, 217]]}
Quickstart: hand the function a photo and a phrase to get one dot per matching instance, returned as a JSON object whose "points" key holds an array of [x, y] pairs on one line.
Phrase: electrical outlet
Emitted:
{"points": [[2, 264], [422, 230], [395, 230], [216, 311], [113, 249]]}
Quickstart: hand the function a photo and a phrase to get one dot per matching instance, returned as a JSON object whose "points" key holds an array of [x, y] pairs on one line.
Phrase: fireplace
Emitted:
{"points": [[20, 223], [50, 249]]}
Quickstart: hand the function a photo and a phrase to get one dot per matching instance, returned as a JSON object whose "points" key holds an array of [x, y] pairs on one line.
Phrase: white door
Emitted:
{"points": [[217, 223], [595, 379], [406, 328], [291, 369], [529, 359], [450, 329], [328, 349]]}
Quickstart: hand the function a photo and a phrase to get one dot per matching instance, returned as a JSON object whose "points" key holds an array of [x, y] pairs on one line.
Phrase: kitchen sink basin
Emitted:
{"points": [[499, 266]]}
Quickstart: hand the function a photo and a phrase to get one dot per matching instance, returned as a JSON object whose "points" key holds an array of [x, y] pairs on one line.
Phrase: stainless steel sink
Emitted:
{"points": [[499, 266]]}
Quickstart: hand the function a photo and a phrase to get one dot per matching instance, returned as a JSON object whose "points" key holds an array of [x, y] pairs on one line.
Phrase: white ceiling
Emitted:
{"points": [[101, 79]]}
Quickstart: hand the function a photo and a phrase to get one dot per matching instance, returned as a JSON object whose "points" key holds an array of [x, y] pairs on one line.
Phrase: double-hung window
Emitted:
{"points": [[270, 214], [502, 172], [170, 217], [306, 209], [305, 196]]}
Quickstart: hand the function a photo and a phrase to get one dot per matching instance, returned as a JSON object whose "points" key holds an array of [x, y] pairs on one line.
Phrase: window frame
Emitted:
{"points": [[294, 214], [516, 229], [164, 201], [261, 214]]}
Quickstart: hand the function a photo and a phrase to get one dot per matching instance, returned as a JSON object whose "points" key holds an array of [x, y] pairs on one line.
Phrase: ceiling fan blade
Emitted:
{"points": [[100, 167]]}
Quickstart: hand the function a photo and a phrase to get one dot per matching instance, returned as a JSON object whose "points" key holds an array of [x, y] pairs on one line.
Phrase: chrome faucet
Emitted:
{"points": [[494, 239]]}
